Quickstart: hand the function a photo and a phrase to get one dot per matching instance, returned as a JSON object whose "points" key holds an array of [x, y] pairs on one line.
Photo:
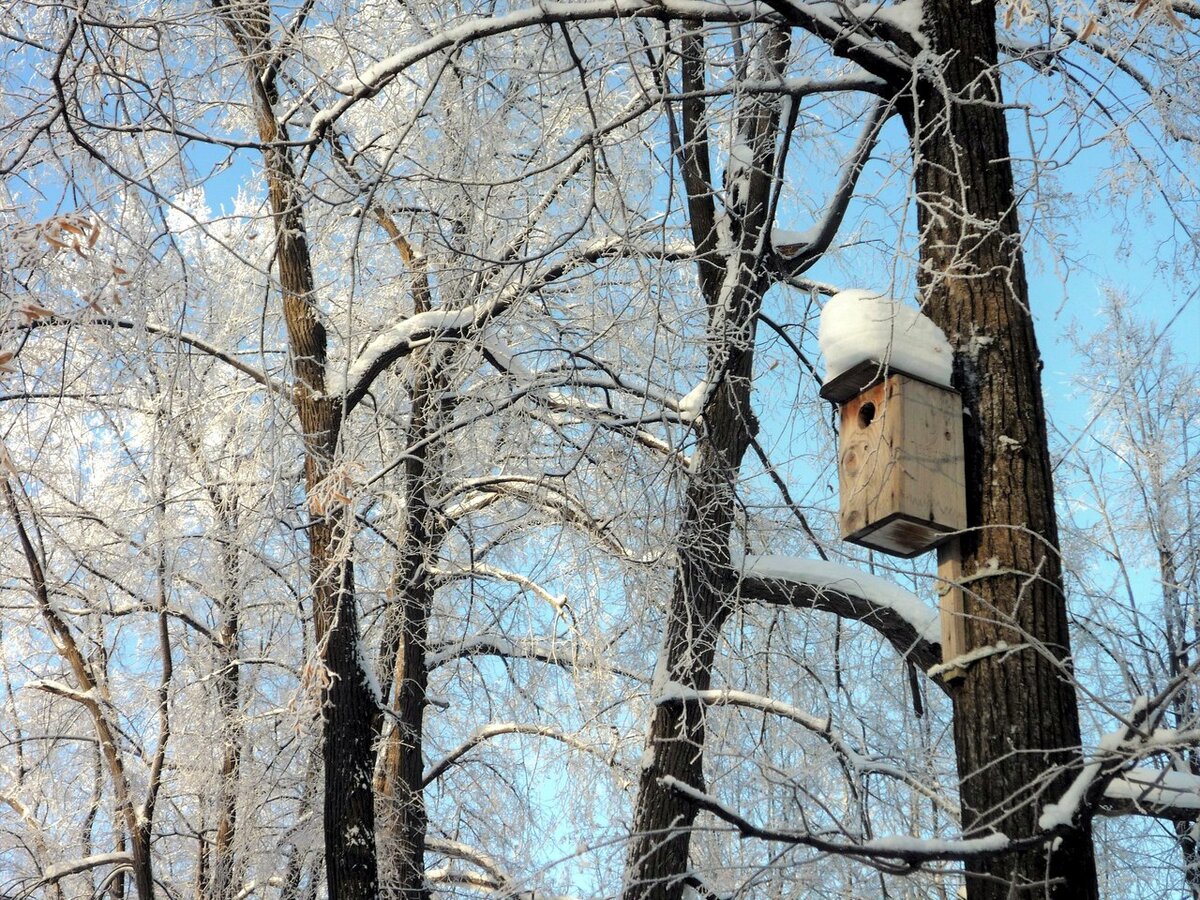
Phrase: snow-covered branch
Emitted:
{"points": [[375, 78], [497, 729], [822, 727], [903, 619], [567, 655], [908, 850], [450, 324], [59, 871]]}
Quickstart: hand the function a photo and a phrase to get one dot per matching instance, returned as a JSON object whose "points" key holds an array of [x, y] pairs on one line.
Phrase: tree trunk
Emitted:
{"points": [[221, 885], [400, 783], [1016, 723], [700, 600], [347, 703]]}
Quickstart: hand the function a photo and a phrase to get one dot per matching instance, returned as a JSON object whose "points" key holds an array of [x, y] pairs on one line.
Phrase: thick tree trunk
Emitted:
{"points": [[222, 882], [347, 703], [400, 782], [700, 602], [1016, 722]]}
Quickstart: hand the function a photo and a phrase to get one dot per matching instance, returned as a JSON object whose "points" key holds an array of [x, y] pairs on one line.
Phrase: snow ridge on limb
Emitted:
{"points": [[375, 78], [59, 871], [900, 616], [1109, 774]]}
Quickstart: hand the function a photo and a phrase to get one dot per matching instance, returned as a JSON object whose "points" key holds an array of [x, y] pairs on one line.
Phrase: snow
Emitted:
{"points": [[506, 359], [820, 573], [1157, 788], [906, 15], [915, 846], [1062, 812], [863, 325], [791, 242], [692, 403], [416, 329], [58, 871], [742, 153], [964, 660]]}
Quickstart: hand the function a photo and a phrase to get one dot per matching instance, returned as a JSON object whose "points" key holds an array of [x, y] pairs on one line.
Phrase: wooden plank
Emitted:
{"points": [[952, 610], [929, 453]]}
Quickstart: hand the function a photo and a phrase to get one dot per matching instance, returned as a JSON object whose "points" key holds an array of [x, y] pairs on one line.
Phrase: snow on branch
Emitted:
{"points": [[370, 81], [467, 853], [822, 727], [1107, 774], [907, 850], [1163, 793], [900, 616], [59, 871]]}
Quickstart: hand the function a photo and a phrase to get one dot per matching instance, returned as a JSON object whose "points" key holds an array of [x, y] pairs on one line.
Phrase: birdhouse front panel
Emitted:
{"points": [[900, 468]]}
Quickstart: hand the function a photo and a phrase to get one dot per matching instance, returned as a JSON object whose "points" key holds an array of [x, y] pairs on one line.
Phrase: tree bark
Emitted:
{"points": [[401, 781], [347, 703], [1016, 722], [701, 599]]}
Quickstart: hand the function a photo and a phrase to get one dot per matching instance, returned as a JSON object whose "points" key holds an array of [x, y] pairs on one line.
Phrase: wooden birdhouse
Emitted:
{"points": [[900, 460]]}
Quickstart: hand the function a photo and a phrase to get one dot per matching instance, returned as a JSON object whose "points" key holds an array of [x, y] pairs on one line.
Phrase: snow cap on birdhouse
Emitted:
{"points": [[864, 332], [900, 444]]}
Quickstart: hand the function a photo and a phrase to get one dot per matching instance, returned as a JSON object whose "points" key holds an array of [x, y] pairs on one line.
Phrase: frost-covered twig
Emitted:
{"points": [[909, 850], [497, 729], [822, 727]]}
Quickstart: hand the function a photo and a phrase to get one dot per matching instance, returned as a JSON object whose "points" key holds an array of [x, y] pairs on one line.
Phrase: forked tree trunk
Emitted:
{"points": [[348, 707], [1016, 723], [700, 601]]}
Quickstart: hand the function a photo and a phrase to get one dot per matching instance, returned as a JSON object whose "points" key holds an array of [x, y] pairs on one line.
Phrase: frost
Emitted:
{"points": [[822, 574], [865, 326]]}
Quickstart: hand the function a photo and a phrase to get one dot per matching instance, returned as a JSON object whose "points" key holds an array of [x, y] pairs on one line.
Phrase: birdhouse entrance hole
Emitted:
{"points": [[866, 414], [900, 467]]}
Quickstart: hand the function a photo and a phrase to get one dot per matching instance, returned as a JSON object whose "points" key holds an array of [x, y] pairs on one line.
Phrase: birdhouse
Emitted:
{"points": [[900, 460]]}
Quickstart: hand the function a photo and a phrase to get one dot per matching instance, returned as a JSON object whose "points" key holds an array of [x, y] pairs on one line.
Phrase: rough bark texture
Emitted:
{"points": [[701, 598], [347, 703], [1016, 721], [400, 783], [222, 884]]}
